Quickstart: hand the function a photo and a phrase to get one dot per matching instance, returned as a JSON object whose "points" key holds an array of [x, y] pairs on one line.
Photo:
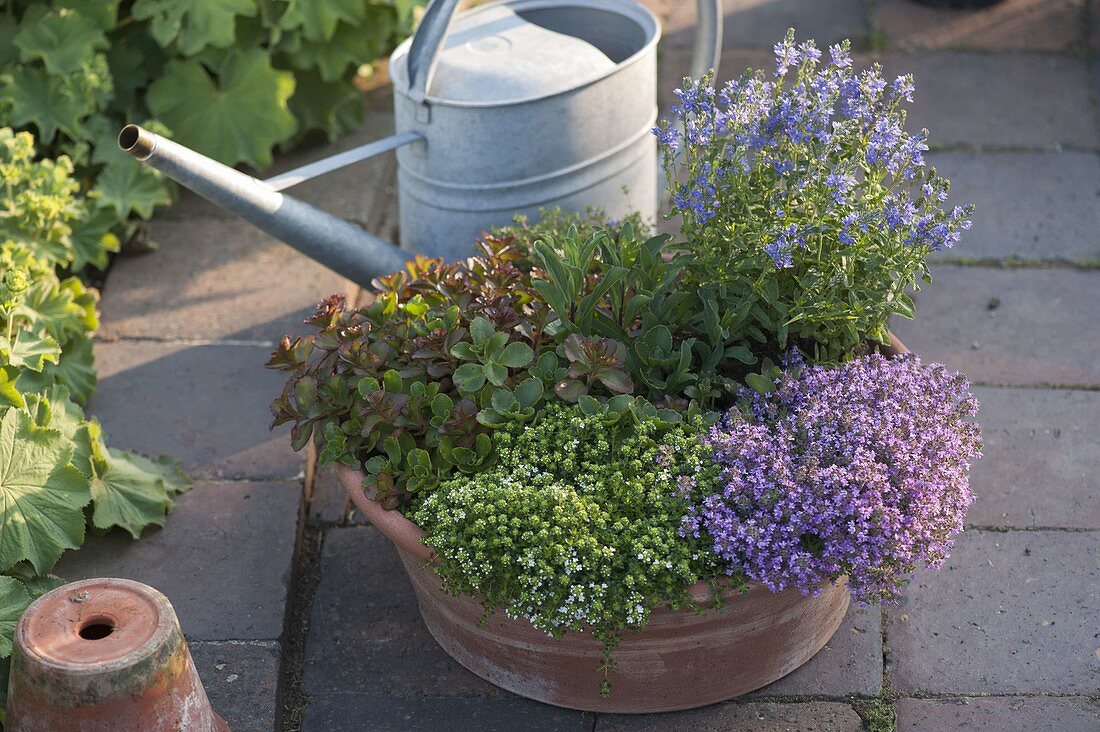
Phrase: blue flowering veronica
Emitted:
{"points": [[809, 171]]}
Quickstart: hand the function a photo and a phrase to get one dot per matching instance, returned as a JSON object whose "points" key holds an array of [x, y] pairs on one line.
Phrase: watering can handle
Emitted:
{"points": [[708, 38], [428, 41]]}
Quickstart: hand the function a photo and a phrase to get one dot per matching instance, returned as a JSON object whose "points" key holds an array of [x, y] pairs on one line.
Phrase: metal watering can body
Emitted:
{"points": [[506, 108]]}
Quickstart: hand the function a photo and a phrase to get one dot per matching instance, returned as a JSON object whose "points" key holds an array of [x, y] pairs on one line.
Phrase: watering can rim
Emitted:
{"points": [[648, 22]]}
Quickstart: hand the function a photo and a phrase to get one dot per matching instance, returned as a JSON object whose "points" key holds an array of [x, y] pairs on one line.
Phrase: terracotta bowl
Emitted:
{"points": [[679, 660]]}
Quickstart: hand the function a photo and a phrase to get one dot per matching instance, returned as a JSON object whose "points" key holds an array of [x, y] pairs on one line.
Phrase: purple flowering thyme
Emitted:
{"points": [[803, 191], [859, 470]]}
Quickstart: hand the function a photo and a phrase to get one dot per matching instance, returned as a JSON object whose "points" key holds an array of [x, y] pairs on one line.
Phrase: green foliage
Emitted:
{"points": [[231, 78], [877, 715], [56, 473], [411, 385], [42, 495], [219, 117], [407, 385], [577, 525]]}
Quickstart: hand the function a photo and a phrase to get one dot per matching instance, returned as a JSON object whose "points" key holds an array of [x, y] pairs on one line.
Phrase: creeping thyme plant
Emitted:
{"points": [[858, 470], [586, 420], [803, 198]]}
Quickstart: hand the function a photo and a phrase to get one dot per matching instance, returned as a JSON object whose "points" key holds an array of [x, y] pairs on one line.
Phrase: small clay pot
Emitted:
{"points": [[104, 655], [679, 660]]}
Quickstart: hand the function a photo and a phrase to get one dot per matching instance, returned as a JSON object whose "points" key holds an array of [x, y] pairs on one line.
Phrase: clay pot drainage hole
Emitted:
{"points": [[96, 628]]}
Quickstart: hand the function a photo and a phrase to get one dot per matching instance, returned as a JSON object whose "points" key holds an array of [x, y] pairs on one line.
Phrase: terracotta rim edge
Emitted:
{"points": [[166, 625]]}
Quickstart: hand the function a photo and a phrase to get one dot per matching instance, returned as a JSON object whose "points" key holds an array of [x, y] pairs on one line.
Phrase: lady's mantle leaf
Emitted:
{"points": [[165, 467], [92, 238], [128, 490], [29, 350], [37, 98], [318, 18], [124, 186], [239, 119], [61, 40], [41, 495], [76, 369], [127, 496], [193, 24], [13, 601]]}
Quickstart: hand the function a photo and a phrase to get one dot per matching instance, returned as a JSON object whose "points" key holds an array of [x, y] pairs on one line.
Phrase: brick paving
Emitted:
{"points": [[299, 613]]}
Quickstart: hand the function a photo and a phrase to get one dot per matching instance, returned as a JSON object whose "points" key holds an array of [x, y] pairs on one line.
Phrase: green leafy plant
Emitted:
{"points": [[57, 475], [74, 72], [578, 524], [412, 385]]}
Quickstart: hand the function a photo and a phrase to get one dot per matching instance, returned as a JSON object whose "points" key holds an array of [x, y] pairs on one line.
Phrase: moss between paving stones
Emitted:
{"points": [[878, 714]]}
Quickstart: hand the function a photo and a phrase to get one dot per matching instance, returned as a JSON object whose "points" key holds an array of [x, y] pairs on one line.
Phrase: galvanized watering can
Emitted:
{"points": [[506, 108]]}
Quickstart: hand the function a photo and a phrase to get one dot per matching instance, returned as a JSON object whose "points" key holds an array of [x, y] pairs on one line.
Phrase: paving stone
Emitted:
{"points": [[214, 280], [1009, 613], [1016, 218], [206, 405], [329, 502], [1009, 326], [222, 559], [750, 717], [1000, 100], [1094, 25], [1057, 714], [760, 24], [851, 662], [350, 193], [378, 711], [1041, 464], [1014, 25], [241, 681], [365, 629]]}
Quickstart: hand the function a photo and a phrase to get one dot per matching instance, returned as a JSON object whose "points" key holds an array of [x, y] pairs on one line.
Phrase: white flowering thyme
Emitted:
{"points": [[577, 525]]}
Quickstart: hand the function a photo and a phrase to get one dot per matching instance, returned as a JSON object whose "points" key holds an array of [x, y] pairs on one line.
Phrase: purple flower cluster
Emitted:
{"points": [[821, 141], [860, 469]]}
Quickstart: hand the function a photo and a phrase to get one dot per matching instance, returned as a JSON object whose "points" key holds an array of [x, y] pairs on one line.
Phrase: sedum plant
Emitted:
{"points": [[804, 201], [577, 524], [412, 385]]}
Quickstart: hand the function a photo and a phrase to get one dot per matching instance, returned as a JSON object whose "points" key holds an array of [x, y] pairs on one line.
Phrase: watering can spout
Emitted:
{"points": [[337, 244]]}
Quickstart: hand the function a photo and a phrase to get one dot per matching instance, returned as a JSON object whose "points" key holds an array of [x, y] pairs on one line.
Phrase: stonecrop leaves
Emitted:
{"points": [[411, 385]]}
